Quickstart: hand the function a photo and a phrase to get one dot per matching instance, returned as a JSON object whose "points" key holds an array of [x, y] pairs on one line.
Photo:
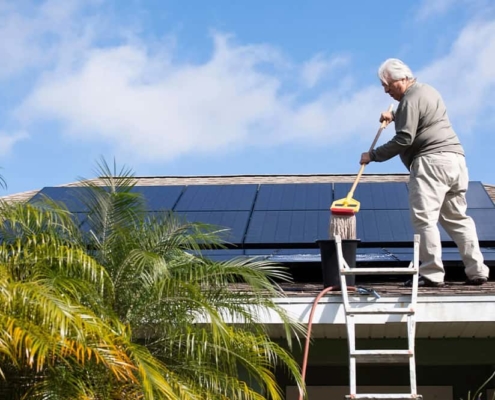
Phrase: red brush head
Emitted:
{"points": [[349, 212]]}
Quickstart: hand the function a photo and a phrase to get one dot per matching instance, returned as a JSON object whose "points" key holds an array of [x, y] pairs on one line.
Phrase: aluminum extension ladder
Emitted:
{"points": [[380, 356]]}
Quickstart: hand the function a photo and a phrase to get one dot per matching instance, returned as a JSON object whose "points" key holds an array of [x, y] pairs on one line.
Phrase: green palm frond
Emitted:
{"points": [[130, 305], [3, 182]]}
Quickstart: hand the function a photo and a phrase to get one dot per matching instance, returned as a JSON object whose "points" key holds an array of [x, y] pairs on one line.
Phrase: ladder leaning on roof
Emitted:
{"points": [[353, 312]]}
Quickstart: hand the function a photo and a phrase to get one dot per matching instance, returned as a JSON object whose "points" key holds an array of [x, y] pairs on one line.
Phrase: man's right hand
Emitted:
{"points": [[386, 116]]}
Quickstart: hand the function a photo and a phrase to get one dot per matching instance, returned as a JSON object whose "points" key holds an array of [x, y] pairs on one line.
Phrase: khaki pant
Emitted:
{"points": [[437, 193]]}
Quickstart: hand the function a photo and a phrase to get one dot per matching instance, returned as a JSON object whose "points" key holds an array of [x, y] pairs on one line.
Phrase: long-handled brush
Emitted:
{"points": [[343, 211]]}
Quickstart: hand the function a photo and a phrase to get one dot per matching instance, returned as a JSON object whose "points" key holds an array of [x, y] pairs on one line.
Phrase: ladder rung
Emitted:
{"points": [[378, 271], [381, 356], [374, 310], [389, 396]]}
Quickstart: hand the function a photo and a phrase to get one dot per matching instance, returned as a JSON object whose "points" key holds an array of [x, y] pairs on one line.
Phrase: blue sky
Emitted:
{"points": [[225, 87]]}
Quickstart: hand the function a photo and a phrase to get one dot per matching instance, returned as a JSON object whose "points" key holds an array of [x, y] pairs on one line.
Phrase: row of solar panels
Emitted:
{"points": [[266, 197], [288, 214]]}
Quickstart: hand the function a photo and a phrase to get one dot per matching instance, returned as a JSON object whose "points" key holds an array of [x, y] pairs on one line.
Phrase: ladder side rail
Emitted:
{"points": [[415, 262], [349, 318], [351, 339], [411, 328]]}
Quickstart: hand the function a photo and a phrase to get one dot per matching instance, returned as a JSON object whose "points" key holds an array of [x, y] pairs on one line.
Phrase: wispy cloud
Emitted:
{"points": [[137, 99], [33, 38], [320, 66], [132, 96], [8, 140], [429, 8], [465, 76]]}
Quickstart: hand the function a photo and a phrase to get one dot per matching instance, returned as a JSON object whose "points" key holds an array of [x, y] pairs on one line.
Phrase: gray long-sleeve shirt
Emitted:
{"points": [[422, 127]]}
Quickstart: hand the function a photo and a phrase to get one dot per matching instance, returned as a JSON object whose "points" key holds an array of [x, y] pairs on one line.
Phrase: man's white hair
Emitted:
{"points": [[394, 69]]}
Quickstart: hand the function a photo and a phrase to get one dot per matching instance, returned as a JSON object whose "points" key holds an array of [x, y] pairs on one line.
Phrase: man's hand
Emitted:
{"points": [[386, 116], [365, 158]]}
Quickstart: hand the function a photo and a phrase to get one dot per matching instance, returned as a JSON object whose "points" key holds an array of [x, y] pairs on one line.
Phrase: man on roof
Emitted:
{"points": [[430, 149]]}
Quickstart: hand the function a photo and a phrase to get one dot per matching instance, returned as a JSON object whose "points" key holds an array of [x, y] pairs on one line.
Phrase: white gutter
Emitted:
{"points": [[330, 310]]}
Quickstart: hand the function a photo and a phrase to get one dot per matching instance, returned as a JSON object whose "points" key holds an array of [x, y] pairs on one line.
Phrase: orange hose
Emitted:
{"points": [[308, 335]]}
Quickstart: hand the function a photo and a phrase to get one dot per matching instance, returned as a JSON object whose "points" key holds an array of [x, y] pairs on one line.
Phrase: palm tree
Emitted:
{"points": [[55, 323], [182, 307]]}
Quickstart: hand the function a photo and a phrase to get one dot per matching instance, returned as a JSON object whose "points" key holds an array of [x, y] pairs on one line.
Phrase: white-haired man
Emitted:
{"points": [[429, 147]]}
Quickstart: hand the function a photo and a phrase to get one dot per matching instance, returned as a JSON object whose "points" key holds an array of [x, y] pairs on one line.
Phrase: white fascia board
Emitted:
{"points": [[330, 310]]}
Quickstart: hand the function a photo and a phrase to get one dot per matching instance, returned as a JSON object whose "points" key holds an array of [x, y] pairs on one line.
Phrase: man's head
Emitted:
{"points": [[396, 77]]}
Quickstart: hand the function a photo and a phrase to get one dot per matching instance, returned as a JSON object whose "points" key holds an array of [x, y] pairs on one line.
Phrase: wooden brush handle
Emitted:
{"points": [[361, 170]]}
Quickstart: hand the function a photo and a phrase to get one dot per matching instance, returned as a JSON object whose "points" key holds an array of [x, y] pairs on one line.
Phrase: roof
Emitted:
{"points": [[244, 179], [441, 304], [236, 179]]}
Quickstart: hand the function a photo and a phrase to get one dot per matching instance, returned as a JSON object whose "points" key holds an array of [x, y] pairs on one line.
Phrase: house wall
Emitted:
{"points": [[446, 368]]}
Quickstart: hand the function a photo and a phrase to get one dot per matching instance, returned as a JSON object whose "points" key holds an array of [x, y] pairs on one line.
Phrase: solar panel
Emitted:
{"points": [[70, 196], [384, 226], [300, 196], [376, 196], [485, 222], [217, 198], [477, 197], [234, 221], [159, 198], [288, 226]]}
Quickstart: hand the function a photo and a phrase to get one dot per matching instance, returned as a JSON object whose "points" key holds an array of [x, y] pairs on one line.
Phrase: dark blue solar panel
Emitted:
{"points": [[477, 197], [395, 225], [384, 226], [159, 198], [300, 196], [485, 222], [217, 198], [488, 253], [376, 196], [288, 226], [70, 196], [235, 221]]}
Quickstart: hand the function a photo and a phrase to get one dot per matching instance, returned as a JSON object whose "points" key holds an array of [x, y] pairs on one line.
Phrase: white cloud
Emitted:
{"points": [[317, 67], [430, 8], [144, 105], [8, 140], [466, 76], [33, 39], [135, 96], [433, 8]]}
